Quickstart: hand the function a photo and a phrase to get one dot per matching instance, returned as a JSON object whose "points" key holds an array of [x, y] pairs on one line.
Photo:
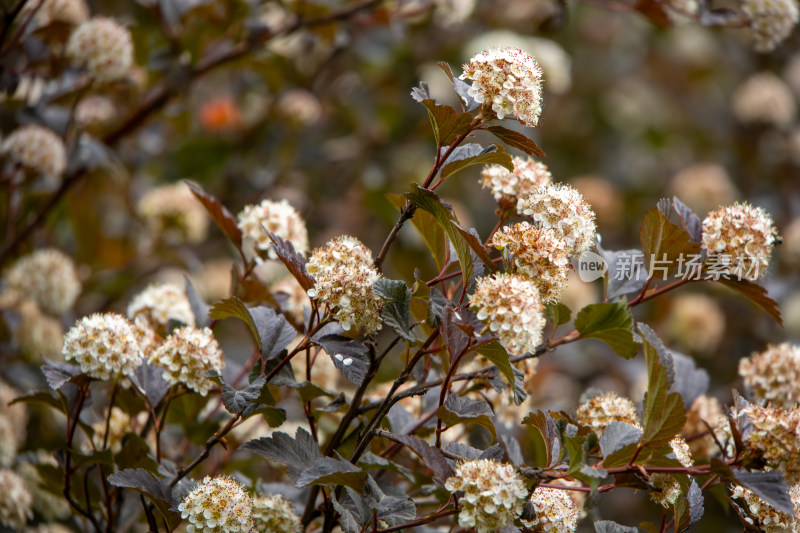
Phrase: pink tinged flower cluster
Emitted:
{"points": [[565, 210], [187, 354], [773, 375], [511, 306], [739, 239], [510, 80], [556, 512], [509, 186]]}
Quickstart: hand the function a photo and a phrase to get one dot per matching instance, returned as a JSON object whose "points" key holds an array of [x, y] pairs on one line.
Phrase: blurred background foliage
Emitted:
{"points": [[633, 111]]}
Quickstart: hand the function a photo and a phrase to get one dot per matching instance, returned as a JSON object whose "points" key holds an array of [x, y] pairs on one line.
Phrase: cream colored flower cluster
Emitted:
{"points": [[669, 490], [512, 308], [508, 79], [15, 501], [272, 513], [539, 256], [775, 436], [493, 494], [764, 98], [739, 239], [104, 47], [509, 186], [563, 209], [103, 344], [765, 517], [555, 511], [187, 354], [278, 217], [172, 210], [47, 276], [38, 150], [72, 12], [344, 274], [771, 21], [13, 421], [704, 409], [773, 375], [159, 303], [218, 505], [599, 411]]}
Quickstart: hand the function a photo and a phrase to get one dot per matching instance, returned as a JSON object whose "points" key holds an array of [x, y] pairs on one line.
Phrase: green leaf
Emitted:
{"points": [[558, 313], [234, 308], [431, 232], [219, 214], [498, 356], [663, 413], [40, 397], [100, 457], [689, 508], [447, 123], [543, 423], [474, 242], [756, 294], [271, 331], [611, 323], [487, 156], [578, 445], [429, 201], [461, 409], [396, 312], [517, 140], [135, 453], [664, 243]]}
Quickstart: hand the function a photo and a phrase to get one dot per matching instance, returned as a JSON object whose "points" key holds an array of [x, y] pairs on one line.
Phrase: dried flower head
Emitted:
{"points": [[104, 47], [344, 275], [72, 12], [599, 411], [739, 239], [703, 187], [15, 503], [172, 212], [103, 344], [47, 276], [187, 354], [538, 255], [272, 513], [509, 186], [508, 79], [38, 150], [764, 98], [493, 494], [771, 21], [512, 308], [705, 409], [218, 505], [563, 209], [696, 323], [159, 303], [278, 217], [773, 375], [764, 516], [555, 511], [774, 434]]}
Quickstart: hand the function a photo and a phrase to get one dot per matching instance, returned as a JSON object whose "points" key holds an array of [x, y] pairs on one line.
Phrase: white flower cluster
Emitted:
{"points": [[218, 505], [272, 513], [159, 303], [511, 306], [555, 511], [774, 434], [493, 494], [669, 490], [771, 21], [15, 501], [278, 217], [509, 186], [104, 47], [94, 110], [539, 256], [38, 150], [344, 274], [599, 411], [563, 209], [72, 12], [696, 323], [739, 239], [773, 375], [187, 354], [765, 517], [508, 79], [172, 210], [47, 276], [764, 99], [103, 344]]}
